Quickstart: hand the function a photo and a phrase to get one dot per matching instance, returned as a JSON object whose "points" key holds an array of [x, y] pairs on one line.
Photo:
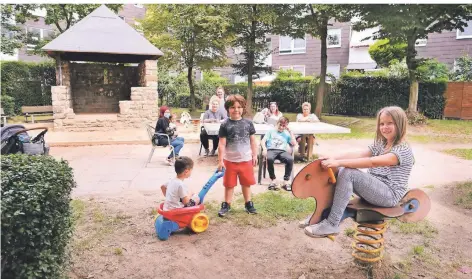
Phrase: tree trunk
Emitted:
{"points": [[250, 68], [192, 89], [412, 65], [324, 62]]}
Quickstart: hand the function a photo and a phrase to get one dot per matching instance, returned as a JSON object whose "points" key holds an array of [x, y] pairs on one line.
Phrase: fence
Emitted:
{"points": [[458, 100]]}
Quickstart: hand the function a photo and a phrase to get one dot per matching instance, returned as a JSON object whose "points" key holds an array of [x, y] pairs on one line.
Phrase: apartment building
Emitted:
{"points": [[40, 30], [348, 50]]}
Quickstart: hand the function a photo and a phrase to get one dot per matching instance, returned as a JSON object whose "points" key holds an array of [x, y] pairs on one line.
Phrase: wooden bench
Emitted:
{"points": [[35, 110]]}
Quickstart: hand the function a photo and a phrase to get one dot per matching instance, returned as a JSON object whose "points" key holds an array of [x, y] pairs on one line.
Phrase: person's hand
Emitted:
{"points": [[221, 165], [264, 153], [330, 163], [254, 160]]}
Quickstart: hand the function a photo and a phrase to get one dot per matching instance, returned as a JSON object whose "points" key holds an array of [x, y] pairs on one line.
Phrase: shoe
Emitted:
{"points": [[212, 153], [305, 222], [273, 186], [206, 152], [170, 161], [250, 207], [287, 186], [225, 208], [322, 229]]}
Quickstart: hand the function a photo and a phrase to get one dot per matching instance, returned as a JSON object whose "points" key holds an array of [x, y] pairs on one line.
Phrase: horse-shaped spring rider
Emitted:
{"points": [[314, 181]]}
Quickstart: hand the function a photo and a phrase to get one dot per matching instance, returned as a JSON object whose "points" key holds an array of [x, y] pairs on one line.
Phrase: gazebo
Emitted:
{"points": [[106, 75]]}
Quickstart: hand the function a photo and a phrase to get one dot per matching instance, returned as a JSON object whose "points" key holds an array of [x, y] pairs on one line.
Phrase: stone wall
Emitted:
{"points": [[135, 108], [98, 88]]}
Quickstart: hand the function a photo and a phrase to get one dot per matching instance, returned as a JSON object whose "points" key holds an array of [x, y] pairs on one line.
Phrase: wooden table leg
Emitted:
{"points": [[310, 147], [302, 146]]}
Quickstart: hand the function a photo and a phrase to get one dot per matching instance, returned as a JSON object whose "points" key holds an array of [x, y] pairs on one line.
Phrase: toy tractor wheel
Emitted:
{"points": [[199, 223]]}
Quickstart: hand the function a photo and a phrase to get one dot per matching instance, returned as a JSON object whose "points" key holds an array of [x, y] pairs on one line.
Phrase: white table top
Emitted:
{"points": [[298, 128]]}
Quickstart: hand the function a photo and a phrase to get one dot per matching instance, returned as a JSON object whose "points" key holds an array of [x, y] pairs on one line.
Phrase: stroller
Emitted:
{"points": [[15, 139]]}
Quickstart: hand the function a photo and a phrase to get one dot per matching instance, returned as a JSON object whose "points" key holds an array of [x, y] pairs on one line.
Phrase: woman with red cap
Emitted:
{"points": [[162, 126]]}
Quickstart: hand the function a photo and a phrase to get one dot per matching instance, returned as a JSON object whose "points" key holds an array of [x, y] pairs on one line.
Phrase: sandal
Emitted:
{"points": [[273, 186]]}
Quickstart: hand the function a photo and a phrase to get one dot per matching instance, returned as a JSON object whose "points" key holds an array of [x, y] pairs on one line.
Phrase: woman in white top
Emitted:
{"points": [[306, 116], [274, 114]]}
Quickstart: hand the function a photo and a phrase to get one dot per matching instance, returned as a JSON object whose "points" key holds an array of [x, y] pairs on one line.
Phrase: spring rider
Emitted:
{"points": [[314, 181]]}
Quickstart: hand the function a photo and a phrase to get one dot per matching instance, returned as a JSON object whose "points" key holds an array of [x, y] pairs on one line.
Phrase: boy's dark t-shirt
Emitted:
{"points": [[238, 143]]}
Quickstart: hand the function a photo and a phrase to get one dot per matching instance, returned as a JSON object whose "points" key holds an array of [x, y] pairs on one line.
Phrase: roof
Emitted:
{"points": [[104, 36]]}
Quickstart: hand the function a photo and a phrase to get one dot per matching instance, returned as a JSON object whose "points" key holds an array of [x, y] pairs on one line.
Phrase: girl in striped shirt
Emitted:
{"points": [[389, 161]]}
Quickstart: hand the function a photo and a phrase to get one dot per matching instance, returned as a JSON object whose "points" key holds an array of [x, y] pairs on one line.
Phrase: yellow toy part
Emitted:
{"points": [[199, 223]]}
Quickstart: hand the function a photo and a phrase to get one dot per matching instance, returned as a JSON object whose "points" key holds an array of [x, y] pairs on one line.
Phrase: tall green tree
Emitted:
{"points": [[12, 35], [382, 52], [191, 36], [251, 24], [406, 23], [314, 19]]}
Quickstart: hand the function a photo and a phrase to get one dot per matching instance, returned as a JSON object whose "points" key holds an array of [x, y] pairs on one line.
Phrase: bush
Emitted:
{"points": [[463, 69], [8, 105], [28, 83], [364, 96], [36, 217], [383, 52]]}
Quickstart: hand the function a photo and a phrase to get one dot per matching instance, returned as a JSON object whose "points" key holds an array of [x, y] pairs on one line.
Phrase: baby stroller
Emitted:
{"points": [[15, 139]]}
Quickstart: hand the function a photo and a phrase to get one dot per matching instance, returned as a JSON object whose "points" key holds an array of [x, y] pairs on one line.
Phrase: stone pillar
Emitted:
{"points": [[61, 106], [147, 73]]}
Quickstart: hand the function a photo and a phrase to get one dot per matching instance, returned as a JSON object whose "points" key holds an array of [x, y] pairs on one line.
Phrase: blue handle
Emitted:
{"points": [[217, 175]]}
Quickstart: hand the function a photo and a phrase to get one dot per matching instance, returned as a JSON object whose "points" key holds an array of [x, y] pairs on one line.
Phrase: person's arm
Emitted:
{"points": [[206, 117], [263, 144], [365, 153], [313, 118], [293, 140], [254, 149], [385, 160], [221, 152], [164, 189]]}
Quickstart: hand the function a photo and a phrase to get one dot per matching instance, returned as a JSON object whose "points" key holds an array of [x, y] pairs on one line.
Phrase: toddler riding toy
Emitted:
{"points": [[170, 221], [314, 181]]}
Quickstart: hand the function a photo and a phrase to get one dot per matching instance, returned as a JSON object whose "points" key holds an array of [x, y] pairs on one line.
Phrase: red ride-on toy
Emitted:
{"points": [[170, 221]]}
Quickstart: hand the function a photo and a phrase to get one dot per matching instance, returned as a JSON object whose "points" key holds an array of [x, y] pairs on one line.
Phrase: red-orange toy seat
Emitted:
{"points": [[182, 216]]}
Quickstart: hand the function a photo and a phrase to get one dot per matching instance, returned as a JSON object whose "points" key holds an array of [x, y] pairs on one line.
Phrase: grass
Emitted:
{"points": [[271, 208], [94, 224], [424, 228], [349, 232], [457, 127], [464, 194], [463, 153], [429, 187]]}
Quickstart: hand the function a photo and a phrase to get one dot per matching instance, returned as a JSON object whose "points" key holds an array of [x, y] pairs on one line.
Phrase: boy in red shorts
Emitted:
{"points": [[237, 152]]}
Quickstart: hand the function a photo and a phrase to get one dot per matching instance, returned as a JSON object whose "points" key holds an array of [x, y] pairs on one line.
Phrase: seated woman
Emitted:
{"points": [[213, 115], [305, 116], [163, 127], [274, 114]]}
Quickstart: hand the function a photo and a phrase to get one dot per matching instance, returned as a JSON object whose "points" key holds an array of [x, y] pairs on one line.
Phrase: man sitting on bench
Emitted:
{"points": [[275, 146]]}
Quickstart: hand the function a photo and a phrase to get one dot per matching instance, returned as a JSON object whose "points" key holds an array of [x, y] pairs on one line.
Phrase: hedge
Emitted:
{"points": [[36, 217], [28, 83], [364, 96]]}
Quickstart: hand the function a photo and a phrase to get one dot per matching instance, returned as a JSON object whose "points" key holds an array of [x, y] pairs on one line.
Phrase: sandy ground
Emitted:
{"points": [[112, 181]]}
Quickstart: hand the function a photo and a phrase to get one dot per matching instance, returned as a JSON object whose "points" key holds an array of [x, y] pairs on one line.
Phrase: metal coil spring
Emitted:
{"points": [[368, 242]]}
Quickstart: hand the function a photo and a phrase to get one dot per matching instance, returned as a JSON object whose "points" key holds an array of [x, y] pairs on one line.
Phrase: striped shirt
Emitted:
{"points": [[396, 177]]}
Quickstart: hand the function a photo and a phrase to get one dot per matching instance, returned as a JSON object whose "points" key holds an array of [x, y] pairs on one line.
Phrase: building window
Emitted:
{"points": [[334, 69], [421, 42], [334, 38], [37, 34], [139, 6], [467, 34], [288, 45], [296, 68]]}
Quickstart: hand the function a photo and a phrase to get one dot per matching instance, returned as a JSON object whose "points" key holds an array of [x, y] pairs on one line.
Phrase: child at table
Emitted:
{"points": [[389, 161], [237, 152], [176, 192]]}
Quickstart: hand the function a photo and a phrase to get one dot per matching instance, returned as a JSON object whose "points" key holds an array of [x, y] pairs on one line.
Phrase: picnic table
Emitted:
{"points": [[297, 128]]}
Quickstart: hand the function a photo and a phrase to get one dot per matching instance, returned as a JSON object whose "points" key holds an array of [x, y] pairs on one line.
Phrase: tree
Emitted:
{"points": [[402, 23], [12, 35], [251, 24], [190, 36], [382, 52], [462, 69], [314, 19]]}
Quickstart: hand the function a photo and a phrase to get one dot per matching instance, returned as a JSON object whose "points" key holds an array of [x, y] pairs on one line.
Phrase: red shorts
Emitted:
{"points": [[243, 170]]}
